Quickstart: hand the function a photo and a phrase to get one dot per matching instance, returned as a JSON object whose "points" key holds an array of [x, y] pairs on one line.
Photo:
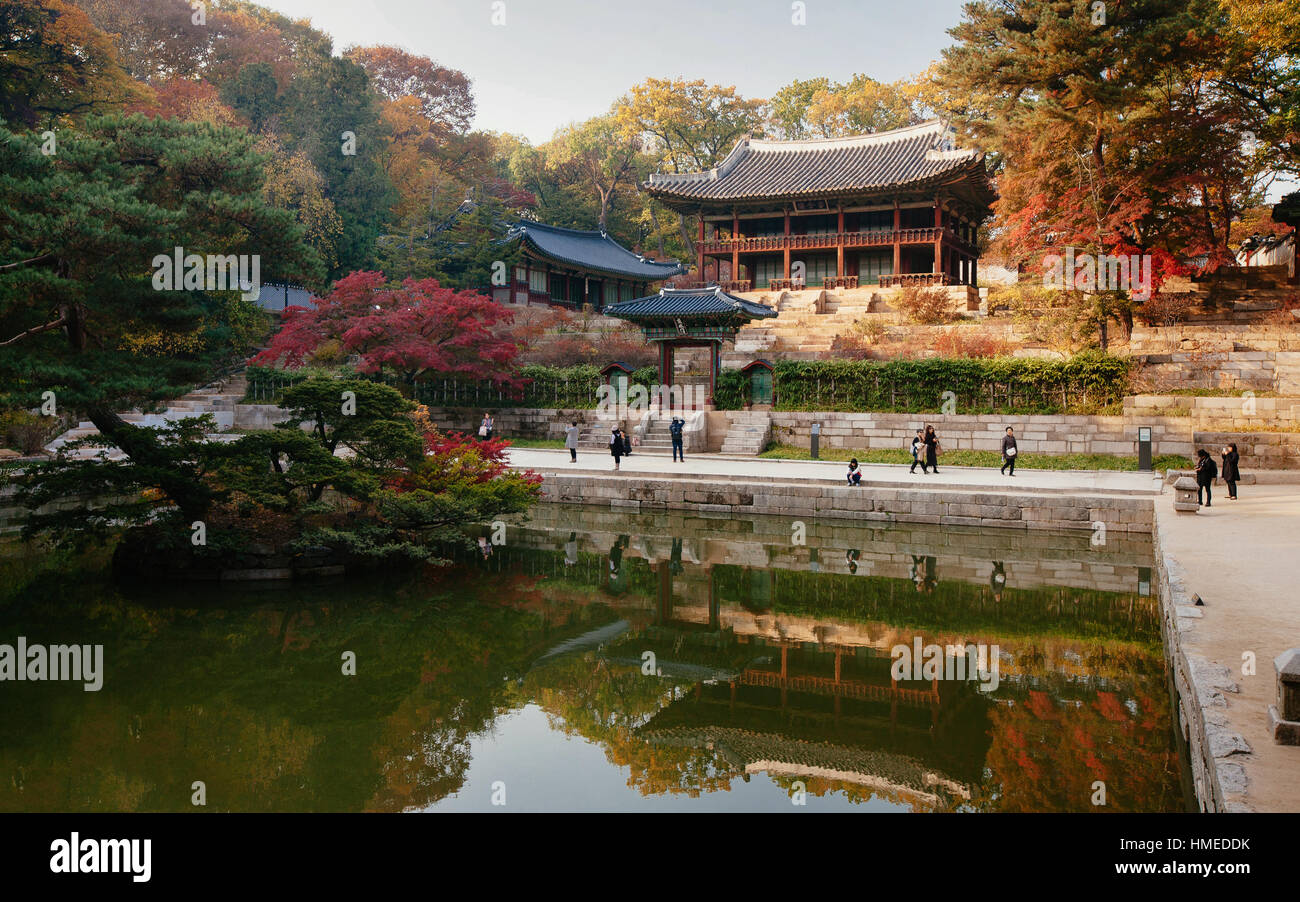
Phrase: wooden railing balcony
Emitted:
{"points": [[826, 240], [915, 279], [737, 285]]}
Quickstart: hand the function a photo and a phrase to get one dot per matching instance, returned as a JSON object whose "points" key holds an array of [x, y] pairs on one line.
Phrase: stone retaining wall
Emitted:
{"points": [[1045, 434], [956, 507], [1218, 413], [1259, 450], [1258, 357]]}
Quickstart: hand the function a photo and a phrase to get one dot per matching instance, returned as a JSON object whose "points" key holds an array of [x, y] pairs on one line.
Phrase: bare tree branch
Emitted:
{"points": [[53, 324]]}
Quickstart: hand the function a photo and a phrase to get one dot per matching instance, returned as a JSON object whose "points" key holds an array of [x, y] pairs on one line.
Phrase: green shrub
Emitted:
{"points": [[1087, 382], [25, 431]]}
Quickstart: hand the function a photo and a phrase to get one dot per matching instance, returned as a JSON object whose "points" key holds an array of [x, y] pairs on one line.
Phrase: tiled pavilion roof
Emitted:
{"points": [[690, 304], [594, 251], [915, 157]]}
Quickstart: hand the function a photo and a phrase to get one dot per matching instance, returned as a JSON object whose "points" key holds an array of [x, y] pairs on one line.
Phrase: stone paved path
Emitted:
{"points": [[1243, 559], [758, 469]]}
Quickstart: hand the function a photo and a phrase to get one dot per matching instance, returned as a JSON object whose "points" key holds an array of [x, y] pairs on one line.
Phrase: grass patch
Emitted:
{"points": [[537, 442], [1025, 461], [1213, 393]]}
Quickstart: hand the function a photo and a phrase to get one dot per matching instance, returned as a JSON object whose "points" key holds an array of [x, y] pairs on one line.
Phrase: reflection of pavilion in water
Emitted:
{"points": [[811, 710], [779, 655]]}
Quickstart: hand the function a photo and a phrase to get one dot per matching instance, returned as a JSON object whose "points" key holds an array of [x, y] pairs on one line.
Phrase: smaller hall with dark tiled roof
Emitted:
{"points": [[895, 208], [574, 268]]}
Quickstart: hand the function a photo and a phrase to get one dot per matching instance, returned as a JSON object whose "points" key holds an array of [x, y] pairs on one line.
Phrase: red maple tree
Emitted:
{"points": [[413, 329]]}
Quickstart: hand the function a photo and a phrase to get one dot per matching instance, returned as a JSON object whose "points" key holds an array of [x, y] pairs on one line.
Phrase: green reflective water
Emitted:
{"points": [[600, 661]]}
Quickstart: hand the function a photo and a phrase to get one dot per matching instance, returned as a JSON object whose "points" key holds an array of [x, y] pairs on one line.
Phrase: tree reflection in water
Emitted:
{"points": [[768, 660]]}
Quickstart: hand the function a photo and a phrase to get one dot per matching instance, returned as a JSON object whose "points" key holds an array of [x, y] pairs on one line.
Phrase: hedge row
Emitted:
{"points": [[1083, 383]]}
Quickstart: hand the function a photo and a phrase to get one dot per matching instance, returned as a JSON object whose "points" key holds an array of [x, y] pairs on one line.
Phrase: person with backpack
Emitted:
{"points": [[1206, 472], [675, 431], [1009, 451], [917, 444]]}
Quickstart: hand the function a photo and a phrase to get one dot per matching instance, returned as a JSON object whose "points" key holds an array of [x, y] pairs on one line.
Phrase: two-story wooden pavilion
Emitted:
{"points": [[900, 207], [573, 268]]}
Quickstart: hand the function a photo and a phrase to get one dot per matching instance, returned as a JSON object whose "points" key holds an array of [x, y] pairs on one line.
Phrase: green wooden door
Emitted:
{"points": [[760, 385]]}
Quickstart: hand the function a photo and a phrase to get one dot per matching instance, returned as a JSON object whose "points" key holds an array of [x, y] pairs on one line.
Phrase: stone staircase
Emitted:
{"points": [[748, 433], [218, 399], [807, 326], [650, 432]]}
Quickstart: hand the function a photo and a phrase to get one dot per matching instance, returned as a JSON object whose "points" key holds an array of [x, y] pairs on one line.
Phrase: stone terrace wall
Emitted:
{"points": [[941, 507], [1223, 414], [1045, 434], [1262, 358]]}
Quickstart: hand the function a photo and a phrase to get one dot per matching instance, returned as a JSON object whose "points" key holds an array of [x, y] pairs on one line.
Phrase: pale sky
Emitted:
{"points": [[559, 61]]}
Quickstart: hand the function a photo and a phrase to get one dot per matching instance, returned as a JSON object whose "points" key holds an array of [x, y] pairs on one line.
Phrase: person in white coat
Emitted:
{"points": [[571, 440]]}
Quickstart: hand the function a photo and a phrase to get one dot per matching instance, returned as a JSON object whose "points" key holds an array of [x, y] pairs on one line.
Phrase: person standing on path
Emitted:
{"points": [[616, 445], [1231, 471], [1206, 471], [675, 431], [917, 445], [1009, 451], [486, 427], [571, 440], [931, 440]]}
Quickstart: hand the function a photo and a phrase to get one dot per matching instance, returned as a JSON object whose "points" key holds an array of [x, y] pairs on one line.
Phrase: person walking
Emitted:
{"points": [[917, 446], [486, 428], [675, 431], [1206, 471], [854, 475], [616, 445], [1231, 471], [931, 440], [1009, 451], [571, 441]]}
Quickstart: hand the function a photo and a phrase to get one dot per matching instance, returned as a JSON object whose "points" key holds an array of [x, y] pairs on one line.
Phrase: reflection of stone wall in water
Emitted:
{"points": [[244, 689]]}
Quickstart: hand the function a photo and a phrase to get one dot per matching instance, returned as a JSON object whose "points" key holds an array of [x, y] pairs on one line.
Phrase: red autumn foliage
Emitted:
{"points": [[416, 328]]}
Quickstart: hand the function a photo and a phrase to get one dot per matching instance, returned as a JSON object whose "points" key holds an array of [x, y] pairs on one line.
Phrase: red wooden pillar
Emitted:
{"points": [[699, 252], [787, 244], [839, 246], [735, 246], [938, 240], [713, 368], [898, 246]]}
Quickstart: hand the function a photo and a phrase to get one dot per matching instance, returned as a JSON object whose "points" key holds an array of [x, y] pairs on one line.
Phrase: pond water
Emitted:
{"points": [[614, 662]]}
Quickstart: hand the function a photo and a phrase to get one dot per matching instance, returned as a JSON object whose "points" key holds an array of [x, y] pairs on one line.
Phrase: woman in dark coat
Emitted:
{"points": [[1231, 471], [616, 446], [931, 449], [1206, 470]]}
